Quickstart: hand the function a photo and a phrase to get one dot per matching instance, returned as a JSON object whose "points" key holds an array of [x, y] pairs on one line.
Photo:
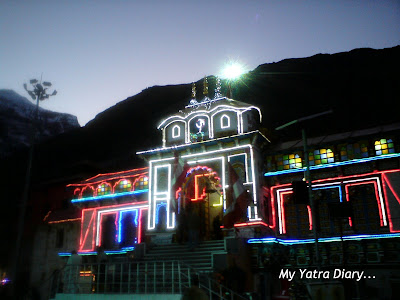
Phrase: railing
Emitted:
{"points": [[139, 277]]}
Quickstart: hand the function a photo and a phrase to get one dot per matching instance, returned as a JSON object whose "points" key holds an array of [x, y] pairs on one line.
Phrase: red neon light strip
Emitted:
{"points": [[309, 217], [386, 181], [272, 207], [64, 221], [177, 192], [283, 210], [348, 200], [47, 215], [273, 213], [115, 173], [376, 195], [251, 224], [87, 186], [87, 231], [108, 179], [391, 188], [196, 187], [140, 225]]}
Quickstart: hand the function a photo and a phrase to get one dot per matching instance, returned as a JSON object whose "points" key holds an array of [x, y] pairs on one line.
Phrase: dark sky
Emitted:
{"points": [[97, 53]]}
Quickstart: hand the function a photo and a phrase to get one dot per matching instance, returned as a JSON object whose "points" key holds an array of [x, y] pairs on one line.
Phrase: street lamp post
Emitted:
{"points": [[38, 93], [307, 176]]}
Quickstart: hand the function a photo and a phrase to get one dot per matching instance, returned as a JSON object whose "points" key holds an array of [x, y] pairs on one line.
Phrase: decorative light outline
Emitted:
{"points": [[288, 190], [95, 227], [377, 196], [108, 179], [135, 221], [209, 111], [99, 225], [75, 192], [176, 135], [329, 239], [309, 217], [198, 197], [247, 224], [186, 145], [111, 252], [158, 206], [221, 201], [384, 182], [335, 164], [154, 199], [316, 183], [222, 111], [88, 186], [91, 226], [381, 205], [96, 198], [113, 173], [156, 192], [188, 126], [113, 209], [63, 221]]}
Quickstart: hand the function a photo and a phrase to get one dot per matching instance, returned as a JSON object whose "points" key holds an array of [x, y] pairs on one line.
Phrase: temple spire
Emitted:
{"points": [[193, 90], [205, 87], [217, 92]]}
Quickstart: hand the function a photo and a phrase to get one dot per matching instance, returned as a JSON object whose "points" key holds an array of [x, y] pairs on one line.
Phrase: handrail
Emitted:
{"points": [[133, 277]]}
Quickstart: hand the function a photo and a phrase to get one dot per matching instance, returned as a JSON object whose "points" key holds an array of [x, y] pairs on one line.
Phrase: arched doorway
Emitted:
{"points": [[201, 190]]}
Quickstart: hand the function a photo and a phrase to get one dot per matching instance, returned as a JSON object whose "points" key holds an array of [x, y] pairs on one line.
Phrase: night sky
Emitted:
{"points": [[97, 53]]}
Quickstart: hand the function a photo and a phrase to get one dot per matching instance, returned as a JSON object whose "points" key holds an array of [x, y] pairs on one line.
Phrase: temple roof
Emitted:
{"points": [[111, 176], [208, 106]]}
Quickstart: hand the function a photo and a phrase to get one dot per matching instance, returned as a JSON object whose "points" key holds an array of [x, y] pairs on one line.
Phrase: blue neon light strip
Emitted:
{"points": [[335, 164], [135, 221], [110, 252], [323, 240], [330, 187], [109, 196]]}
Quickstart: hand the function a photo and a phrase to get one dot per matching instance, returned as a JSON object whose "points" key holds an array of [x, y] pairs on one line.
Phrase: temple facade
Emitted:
{"points": [[214, 161]]}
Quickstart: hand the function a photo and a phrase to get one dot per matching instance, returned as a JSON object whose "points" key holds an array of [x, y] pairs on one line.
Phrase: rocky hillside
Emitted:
{"points": [[16, 115], [361, 86]]}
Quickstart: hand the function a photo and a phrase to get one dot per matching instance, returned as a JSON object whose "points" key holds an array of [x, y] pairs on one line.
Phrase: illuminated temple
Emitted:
{"points": [[354, 212]]}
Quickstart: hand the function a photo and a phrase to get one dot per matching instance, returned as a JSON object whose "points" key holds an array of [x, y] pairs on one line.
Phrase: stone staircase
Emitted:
{"points": [[200, 259]]}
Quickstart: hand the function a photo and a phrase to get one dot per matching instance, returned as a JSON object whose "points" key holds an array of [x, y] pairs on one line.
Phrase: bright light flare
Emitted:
{"points": [[232, 70]]}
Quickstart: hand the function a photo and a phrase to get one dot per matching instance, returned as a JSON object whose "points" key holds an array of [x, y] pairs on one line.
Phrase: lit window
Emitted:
{"points": [[225, 121], [321, 156], [384, 146], [353, 151], [289, 161], [176, 131], [142, 183], [123, 185], [103, 189]]}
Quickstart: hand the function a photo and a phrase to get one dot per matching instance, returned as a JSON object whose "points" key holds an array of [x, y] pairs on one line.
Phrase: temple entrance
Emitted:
{"points": [[201, 191]]}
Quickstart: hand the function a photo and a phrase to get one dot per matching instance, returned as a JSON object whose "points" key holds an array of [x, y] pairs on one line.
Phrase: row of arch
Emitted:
{"points": [[225, 122], [106, 188]]}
